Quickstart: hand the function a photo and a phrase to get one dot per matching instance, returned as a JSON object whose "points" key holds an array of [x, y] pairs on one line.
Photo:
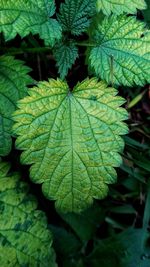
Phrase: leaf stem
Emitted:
{"points": [[85, 44], [17, 51]]}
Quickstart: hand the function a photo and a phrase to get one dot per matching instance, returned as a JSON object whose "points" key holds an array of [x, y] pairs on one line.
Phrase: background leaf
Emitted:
{"points": [[65, 55], [146, 12], [122, 51], [120, 6], [23, 17], [121, 251], [14, 79], [65, 243], [24, 237], [74, 15], [85, 224]]}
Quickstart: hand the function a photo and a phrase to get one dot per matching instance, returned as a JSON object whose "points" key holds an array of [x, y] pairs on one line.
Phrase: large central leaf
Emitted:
{"points": [[71, 139], [23, 17]]}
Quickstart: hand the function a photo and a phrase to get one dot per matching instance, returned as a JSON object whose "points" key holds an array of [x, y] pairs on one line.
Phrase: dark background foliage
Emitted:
{"points": [[115, 231]]}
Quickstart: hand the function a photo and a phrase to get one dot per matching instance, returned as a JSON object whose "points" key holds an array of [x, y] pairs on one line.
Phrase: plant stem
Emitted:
{"points": [[17, 51], [85, 44]]}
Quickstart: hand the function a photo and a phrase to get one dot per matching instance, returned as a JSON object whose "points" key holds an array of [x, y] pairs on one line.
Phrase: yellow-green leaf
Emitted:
{"points": [[72, 140], [120, 6], [24, 237]]}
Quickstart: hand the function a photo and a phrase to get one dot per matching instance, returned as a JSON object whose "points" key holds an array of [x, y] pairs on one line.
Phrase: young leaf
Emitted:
{"points": [[120, 6], [124, 43], [65, 55], [24, 237], [74, 15], [23, 17], [13, 86], [72, 140]]}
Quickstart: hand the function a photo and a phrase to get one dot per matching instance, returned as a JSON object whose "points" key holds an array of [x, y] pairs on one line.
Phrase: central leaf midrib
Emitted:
{"points": [[130, 54], [70, 98], [94, 139]]}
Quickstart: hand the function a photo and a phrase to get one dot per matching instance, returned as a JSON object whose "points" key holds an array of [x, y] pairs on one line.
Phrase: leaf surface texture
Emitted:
{"points": [[65, 55], [24, 17], [13, 86], [72, 140], [24, 237], [74, 15], [122, 51], [120, 6]]}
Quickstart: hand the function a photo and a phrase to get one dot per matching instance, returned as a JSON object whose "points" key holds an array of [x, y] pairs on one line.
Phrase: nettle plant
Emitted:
{"points": [[71, 138]]}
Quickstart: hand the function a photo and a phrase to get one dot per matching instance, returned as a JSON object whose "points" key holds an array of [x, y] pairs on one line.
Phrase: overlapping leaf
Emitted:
{"points": [[24, 237], [85, 224], [13, 86], [65, 55], [122, 51], [72, 140], [125, 250], [120, 6], [74, 15], [23, 17]]}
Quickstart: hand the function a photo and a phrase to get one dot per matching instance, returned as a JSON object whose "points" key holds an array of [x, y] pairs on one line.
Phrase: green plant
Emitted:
{"points": [[70, 130], [24, 237]]}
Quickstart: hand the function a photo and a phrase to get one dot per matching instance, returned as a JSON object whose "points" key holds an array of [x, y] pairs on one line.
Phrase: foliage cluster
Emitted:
{"points": [[74, 106]]}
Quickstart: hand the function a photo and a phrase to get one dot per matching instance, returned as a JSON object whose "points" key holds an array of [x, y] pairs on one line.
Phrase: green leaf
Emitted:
{"points": [[135, 144], [24, 237], [74, 15], [13, 86], [122, 51], [124, 250], [86, 223], [136, 99], [72, 140], [143, 162], [123, 209], [23, 17], [120, 6], [66, 244], [65, 55], [146, 13], [67, 247]]}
